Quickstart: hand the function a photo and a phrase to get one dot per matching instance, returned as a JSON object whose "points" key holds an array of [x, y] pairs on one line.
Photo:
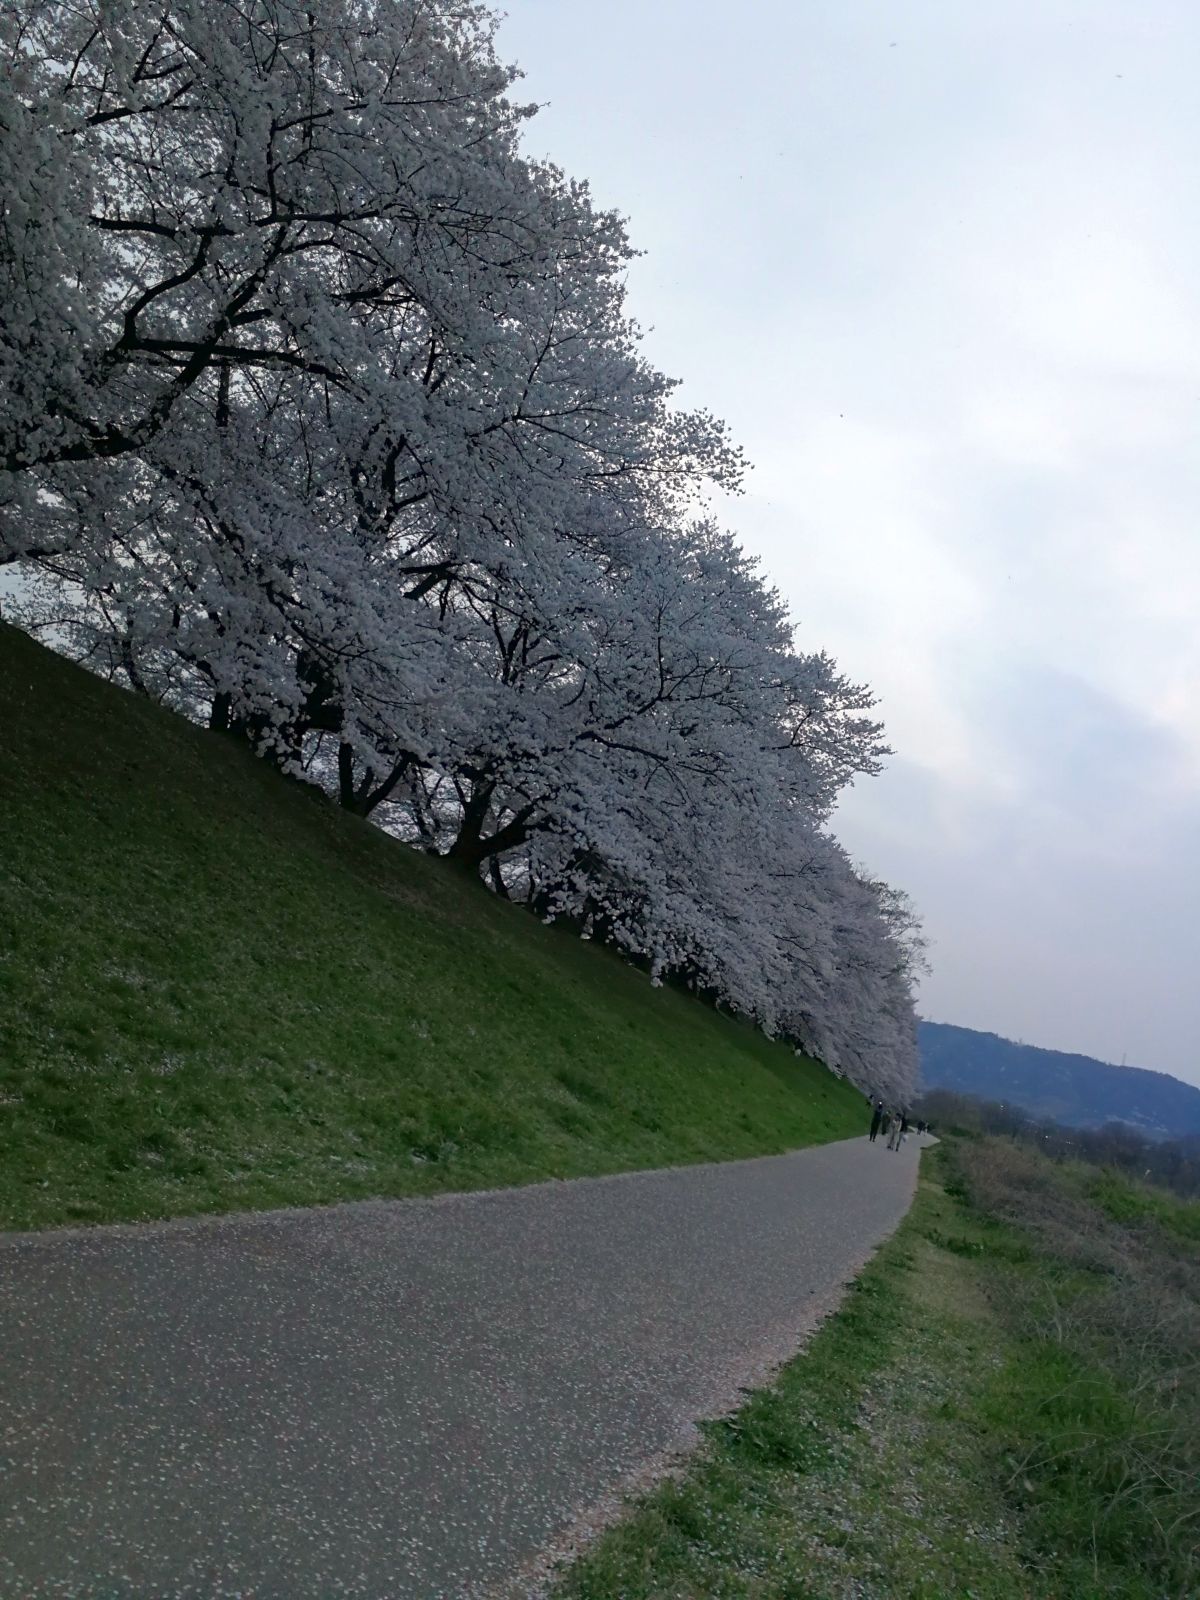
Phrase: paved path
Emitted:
{"points": [[404, 1399]]}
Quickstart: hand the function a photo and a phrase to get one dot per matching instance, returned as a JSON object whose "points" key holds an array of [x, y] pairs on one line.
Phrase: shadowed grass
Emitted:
{"points": [[217, 991]]}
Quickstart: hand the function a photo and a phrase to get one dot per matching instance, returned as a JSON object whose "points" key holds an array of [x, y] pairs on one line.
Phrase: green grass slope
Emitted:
{"points": [[218, 992]]}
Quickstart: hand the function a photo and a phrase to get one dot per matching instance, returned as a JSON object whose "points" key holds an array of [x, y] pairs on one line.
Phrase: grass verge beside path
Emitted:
{"points": [[963, 1426], [219, 992]]}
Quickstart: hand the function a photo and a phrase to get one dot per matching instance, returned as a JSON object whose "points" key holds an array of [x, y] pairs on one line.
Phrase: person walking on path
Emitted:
{"points": [[876, 1119], [899, 1130]]}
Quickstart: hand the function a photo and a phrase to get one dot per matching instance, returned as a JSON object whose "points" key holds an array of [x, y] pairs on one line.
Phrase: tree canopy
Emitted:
{"points": [[323, 420]]}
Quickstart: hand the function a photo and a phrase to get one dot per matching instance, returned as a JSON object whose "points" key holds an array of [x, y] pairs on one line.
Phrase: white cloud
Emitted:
{"points": [[938, 271]]}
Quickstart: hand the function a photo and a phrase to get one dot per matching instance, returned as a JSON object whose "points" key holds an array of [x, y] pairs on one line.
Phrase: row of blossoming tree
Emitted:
{"points": [[322, 420]]}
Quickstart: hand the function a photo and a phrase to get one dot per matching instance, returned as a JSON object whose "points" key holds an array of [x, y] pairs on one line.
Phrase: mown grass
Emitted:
{"points": [[961, 1427], [218, 992]]}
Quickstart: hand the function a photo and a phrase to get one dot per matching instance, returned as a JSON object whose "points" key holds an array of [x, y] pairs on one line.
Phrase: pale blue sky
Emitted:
{"points": [[937, 265]]}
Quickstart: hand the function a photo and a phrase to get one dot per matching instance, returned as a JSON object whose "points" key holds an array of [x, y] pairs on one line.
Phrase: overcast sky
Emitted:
{"points": [[937, 264]]}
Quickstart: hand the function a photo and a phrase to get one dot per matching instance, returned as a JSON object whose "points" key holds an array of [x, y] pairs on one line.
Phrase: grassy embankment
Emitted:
{"points": [[1006, 1405], [218, 992]]}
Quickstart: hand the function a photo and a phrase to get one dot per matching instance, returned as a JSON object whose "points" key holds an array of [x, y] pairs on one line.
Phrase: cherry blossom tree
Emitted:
{"points": [[198, 184], [323, 421]]}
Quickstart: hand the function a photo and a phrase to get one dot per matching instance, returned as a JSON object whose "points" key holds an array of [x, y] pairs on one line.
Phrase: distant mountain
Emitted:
{"points": [[1076, 1090]]}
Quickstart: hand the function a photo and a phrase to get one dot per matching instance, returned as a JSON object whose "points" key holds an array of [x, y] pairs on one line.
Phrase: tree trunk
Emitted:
{"points": [[348, 793], [362, 796], [470, 848]]}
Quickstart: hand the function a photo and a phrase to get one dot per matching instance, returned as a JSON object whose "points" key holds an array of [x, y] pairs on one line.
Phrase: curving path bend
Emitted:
{"points": [[403, 1399]]}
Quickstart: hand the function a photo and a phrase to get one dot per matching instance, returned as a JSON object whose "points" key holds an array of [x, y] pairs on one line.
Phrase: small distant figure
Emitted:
{"points": [[886, 1122], [876, 1119], [899, 1131]]}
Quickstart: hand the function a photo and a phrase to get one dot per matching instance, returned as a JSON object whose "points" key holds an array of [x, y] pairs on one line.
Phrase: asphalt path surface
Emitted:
{"points": [[397, 1398]]}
